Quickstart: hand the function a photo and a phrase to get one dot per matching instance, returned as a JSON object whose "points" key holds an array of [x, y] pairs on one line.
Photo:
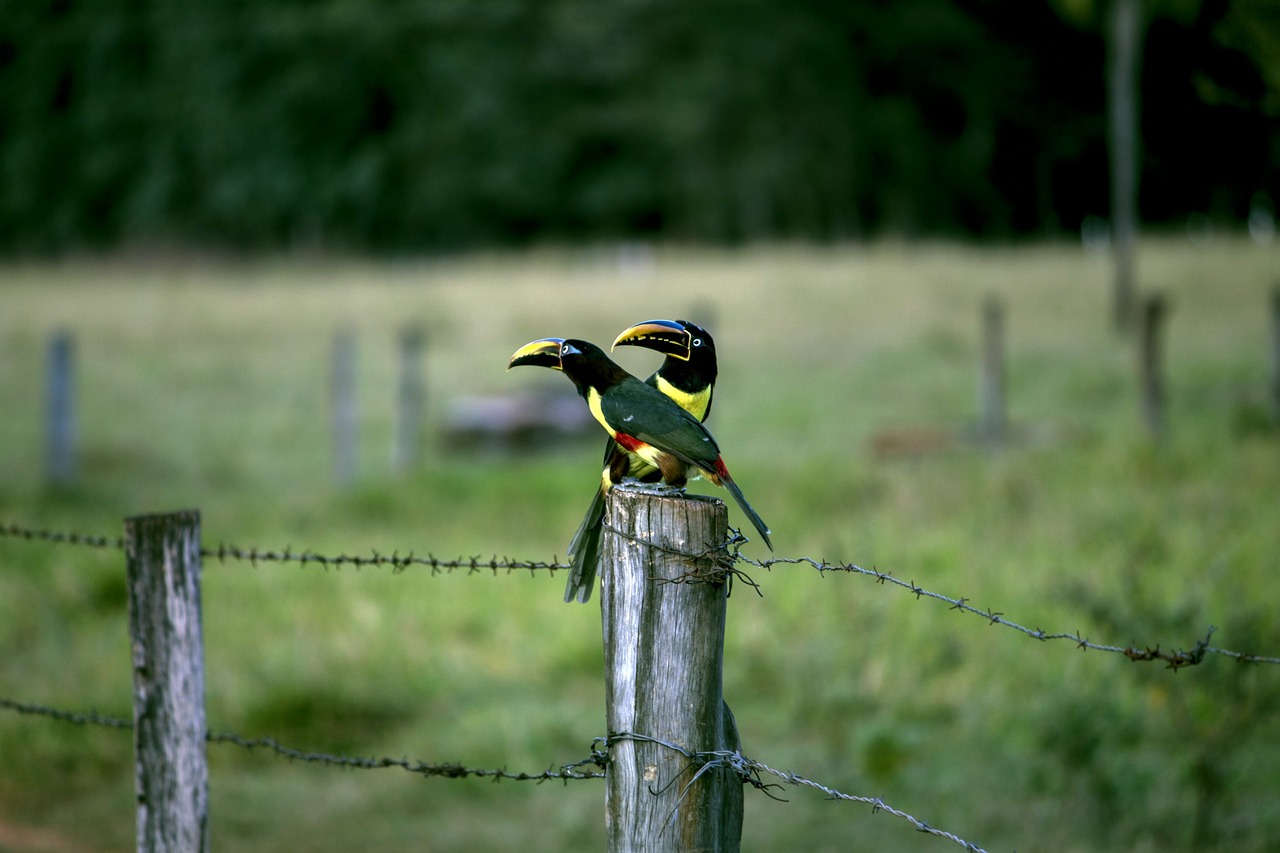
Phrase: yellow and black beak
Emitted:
{"points": [[666, 336], [544, 352]]}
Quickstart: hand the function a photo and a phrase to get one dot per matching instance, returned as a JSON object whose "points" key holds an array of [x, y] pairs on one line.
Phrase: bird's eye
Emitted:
{"points": [[564, 349], [697, 342]]}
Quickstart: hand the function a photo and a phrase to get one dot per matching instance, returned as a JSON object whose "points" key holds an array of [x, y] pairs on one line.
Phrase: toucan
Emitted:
{"points": [[687, 376], [688, 373], [640, 418]]}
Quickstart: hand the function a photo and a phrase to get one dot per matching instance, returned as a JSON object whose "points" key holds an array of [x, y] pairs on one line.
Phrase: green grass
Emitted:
{"points": [[205, 385]]}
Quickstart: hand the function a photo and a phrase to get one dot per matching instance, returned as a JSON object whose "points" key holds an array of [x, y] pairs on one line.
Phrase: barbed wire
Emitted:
{"points": [[17, 531], [396, 561], [92, 718], [449, 770], [751, 772], [728, 554], [1176, 658]]}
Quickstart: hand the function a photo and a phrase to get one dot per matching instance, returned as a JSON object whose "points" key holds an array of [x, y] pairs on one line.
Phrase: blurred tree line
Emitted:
{"points": [[404, 125]]}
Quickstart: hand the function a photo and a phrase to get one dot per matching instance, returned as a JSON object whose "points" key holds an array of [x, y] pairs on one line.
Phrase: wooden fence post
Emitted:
{"points": [[169, 730], [410, 400], [345, 416], [1152, 313], [1275, 355], [991, 381], [60, 425], [663, 621]]}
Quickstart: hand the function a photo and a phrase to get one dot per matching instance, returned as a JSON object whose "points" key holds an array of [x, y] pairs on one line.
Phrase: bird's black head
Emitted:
{"points": [[690, 351], [678, 339], [582, 361]]}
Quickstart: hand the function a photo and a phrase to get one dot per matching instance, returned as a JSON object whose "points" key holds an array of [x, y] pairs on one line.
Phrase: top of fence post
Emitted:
{"points": [[343, 407], [410, 400], [1152, 312], [992, 419], [60, 424]]}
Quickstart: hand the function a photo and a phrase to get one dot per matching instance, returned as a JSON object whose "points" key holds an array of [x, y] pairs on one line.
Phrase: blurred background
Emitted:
{"points": [[996, 295], [404, 126]]}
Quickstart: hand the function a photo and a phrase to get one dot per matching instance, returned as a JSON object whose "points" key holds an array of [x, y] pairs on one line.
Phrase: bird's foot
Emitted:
{"points": [[658, 488]]}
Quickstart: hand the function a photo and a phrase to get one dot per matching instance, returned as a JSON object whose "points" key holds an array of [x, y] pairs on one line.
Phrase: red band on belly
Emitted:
{"points": [[628, 442]]}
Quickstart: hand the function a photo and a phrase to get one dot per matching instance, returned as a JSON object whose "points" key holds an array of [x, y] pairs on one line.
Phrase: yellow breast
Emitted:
{"points": [[695, 404]]}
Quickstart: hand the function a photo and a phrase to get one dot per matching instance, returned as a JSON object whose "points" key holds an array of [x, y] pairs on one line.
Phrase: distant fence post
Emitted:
{"points": [[991, 381], [411, 399], [1275, 354], [1152, 313], [663, 621], [169, 729], [60, 427], [345, 415]]}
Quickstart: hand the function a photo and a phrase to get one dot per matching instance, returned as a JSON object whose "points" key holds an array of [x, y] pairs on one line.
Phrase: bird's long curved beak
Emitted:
{"points": [[544, 352], [666, 336]]}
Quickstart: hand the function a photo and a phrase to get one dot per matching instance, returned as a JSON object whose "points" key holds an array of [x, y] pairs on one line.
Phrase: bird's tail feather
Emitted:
{"points": [[756, 520], [584, 552]]}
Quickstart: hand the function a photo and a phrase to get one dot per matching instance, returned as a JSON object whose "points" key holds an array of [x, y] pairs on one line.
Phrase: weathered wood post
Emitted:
{"points": [[345, 416], [411, 399], [663, 607], [992, 420], [60, 424], [1152, 313], [1275, 355], [169, 729]]}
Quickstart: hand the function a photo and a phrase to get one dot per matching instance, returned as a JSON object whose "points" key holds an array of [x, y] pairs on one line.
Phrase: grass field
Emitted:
{"points": [[205, 385]]}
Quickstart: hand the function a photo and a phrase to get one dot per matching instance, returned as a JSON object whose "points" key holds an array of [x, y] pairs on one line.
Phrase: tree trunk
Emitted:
{"points": [[1124, 59]]}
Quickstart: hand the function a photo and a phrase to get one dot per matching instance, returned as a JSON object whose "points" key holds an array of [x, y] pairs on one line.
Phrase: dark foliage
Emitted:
{"points": [[406, 125]]}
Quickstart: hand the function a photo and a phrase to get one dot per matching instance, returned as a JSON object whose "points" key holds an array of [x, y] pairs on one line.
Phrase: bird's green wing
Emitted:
{"points": [[646, 413]]}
